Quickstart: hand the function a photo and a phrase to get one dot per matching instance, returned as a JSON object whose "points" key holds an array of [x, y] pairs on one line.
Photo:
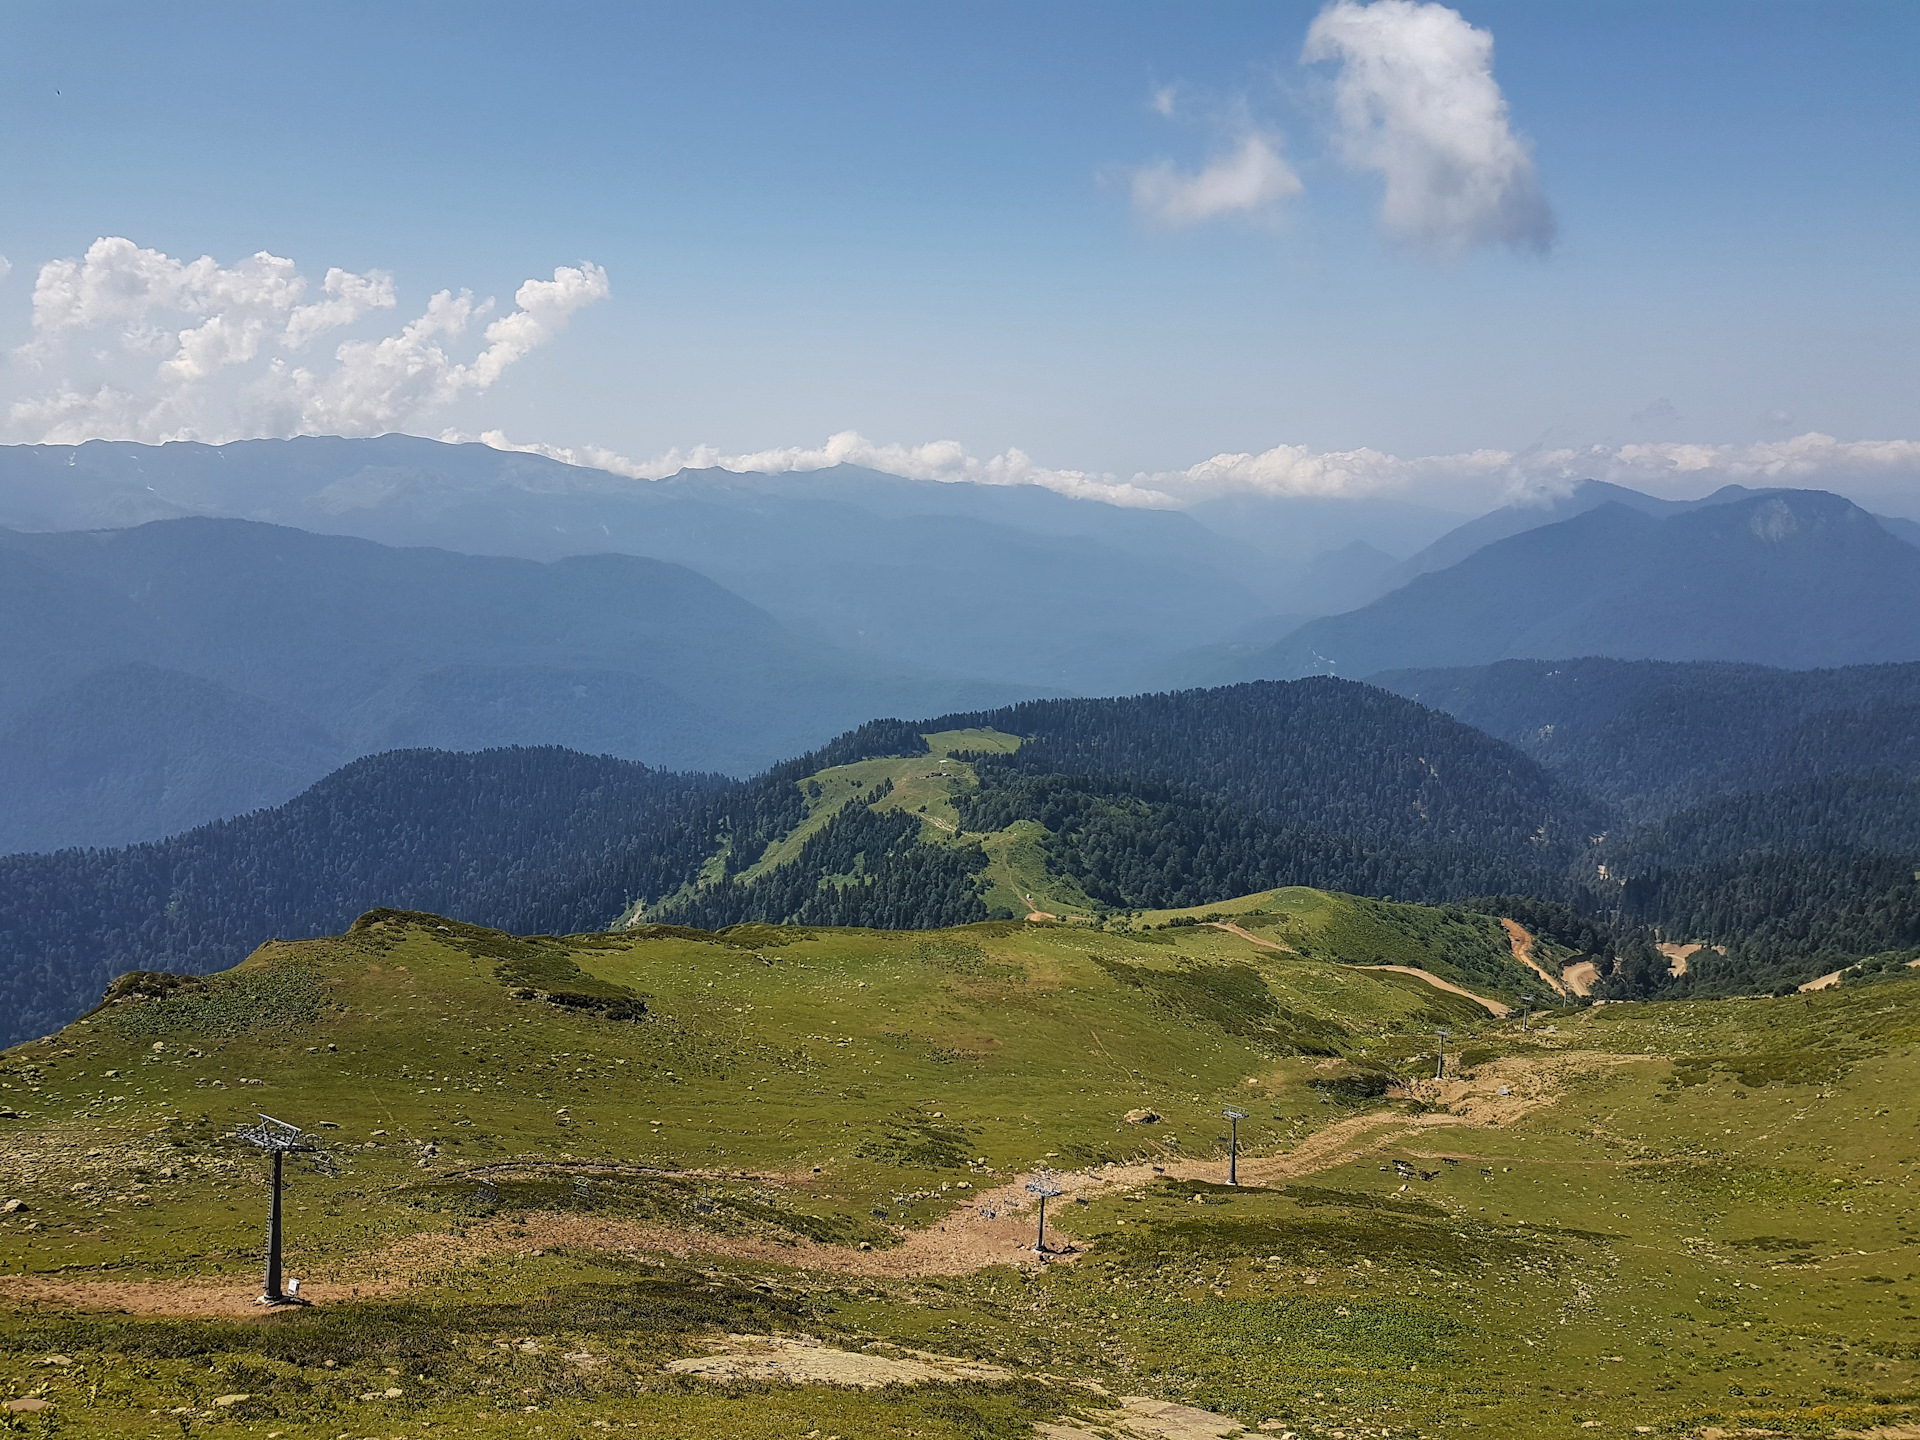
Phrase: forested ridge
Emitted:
{"points": [[1144, 844], [1167, 800], [1650, 737], [529, 840], [1332, 755]]}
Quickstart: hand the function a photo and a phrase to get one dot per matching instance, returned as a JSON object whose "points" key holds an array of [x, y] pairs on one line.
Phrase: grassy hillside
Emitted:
{"points": [[1669, 1217]]}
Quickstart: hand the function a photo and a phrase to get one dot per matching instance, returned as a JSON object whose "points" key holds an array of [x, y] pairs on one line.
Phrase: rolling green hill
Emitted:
{"points": [[572, 1179]]}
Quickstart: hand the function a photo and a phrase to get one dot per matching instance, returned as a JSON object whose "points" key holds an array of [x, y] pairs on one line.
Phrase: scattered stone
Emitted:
{"points": [[1142, 1117], [55, 1360], [223, 1401]]}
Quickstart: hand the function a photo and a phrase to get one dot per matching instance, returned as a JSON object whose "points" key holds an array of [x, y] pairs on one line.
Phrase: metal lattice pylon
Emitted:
{"points": [[279, 1138], [1046, 1187]]}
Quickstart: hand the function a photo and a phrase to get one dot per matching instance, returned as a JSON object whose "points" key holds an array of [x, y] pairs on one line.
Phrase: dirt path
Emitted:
{"points": [[232, 1297], [1244, 934], [1581, 976], [994, 1228], [1832, 978], [1494, 1007], [1522, 942]]}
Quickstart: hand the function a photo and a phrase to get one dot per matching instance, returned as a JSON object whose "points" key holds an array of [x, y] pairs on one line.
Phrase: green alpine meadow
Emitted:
{"points": [[667, 1180]]}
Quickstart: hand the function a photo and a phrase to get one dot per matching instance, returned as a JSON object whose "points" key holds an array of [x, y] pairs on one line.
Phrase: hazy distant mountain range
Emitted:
{"points": [[172, 668], [163, 675], [1006, 582], [1796, 578]]}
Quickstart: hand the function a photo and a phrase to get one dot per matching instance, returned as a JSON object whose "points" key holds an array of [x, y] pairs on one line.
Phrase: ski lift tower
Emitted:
{"points": [[1046, 1187], [1234, 1117], [1526, 1012], [279, 1139], [1440, 1070]]}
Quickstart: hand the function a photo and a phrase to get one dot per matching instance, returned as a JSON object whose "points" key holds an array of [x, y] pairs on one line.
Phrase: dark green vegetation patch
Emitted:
{"points": [[241, 1002], [912, 1139], [1236, 999], [539, 967]]}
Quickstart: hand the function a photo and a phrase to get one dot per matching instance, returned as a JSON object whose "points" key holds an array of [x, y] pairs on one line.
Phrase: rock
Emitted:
{"points": [[1141, 1117], [27, 1404], [223, 1401], [12, 1207]]}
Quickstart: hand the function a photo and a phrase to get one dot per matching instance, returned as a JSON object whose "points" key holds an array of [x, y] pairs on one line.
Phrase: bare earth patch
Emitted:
{"points": [[1522, 942], [201, 1296], [1581, 976], [803, 1360], [1144, 1418]]}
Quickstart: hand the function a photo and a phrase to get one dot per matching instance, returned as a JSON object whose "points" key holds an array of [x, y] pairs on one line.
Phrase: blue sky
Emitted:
{"points": [[922, 223]]}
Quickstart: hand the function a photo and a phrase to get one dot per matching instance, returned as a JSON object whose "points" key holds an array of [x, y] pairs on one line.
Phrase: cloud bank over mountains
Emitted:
{"points": [[1297, 472], [133, 344]]}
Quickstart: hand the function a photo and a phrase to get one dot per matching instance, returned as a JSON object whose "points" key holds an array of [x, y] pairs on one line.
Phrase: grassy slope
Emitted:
{"points": [[1718, 1198], [1470, 950], [1017, 877]]}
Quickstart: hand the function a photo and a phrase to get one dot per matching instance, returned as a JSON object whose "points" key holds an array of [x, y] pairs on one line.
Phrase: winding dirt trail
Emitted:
{"points": [[1493, 1007], [1521, 939], [996, 1227], [1245, 934]]}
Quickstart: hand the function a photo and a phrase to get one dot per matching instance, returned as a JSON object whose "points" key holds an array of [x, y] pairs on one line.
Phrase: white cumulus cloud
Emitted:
{"points": [[1416, 101], [1249, 179], [131, 343]]}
